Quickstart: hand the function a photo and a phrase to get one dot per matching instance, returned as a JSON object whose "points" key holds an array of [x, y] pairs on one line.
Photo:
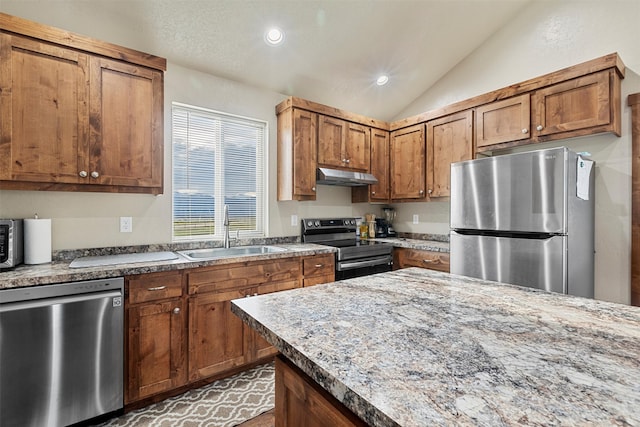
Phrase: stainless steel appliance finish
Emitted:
{"points": [[517, 219], [344, 178], [11, 243], [355, 257], [61, 352]]}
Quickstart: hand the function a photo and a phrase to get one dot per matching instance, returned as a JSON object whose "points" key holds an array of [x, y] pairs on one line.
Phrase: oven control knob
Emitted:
{"points": [[309, 223], [317, 223]]}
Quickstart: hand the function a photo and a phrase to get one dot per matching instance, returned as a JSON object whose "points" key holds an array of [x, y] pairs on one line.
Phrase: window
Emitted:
{"points": [[218, 159]]}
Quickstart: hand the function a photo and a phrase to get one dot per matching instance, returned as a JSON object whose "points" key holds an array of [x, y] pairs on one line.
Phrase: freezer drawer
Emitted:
{"points": [[535, 263]]}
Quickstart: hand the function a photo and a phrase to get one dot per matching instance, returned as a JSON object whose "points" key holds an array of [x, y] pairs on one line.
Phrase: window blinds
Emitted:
{"points": [[218, 159]]}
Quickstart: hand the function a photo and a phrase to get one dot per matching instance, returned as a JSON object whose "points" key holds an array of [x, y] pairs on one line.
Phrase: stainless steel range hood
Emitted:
{"points": [[345, 178]]}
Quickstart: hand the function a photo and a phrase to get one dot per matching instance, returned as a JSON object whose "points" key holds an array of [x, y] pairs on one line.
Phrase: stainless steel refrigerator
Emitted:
{"points": [[525, 219]]}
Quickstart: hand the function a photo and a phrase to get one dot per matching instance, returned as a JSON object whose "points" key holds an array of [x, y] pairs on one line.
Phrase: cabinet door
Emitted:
{"points": [[404, 258], [126, 124], [574, 105], [156, 348], [380, 166], [408, 163], [261, 348], [449, 140], [357, 148], [503, 121], [44, 108], [218, 339], [332, 134], [297, 151]]}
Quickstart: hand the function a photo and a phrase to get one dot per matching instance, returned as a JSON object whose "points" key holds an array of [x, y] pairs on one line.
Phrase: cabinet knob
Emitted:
{"points": [[313, 188], [421, 192], [539, 127], [94, 174], [348, 161], [176, 310], [83, 174], [373, 193], [525, 130], [430, 191]]}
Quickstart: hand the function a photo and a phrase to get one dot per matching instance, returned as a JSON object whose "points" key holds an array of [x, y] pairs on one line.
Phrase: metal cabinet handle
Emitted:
{"points": [[83, 174], [157, 288], [525, 130], [94, 174], [539, 127], [319, 265], [429, 261], [176, 310], [373, 193]]}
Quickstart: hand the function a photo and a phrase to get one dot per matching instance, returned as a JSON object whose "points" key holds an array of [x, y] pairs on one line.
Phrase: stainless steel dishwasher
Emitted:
{"points": [[61, 352]]}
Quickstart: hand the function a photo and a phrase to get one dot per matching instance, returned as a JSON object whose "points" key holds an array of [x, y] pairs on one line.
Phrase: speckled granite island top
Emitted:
{"points": [[417, 347]]}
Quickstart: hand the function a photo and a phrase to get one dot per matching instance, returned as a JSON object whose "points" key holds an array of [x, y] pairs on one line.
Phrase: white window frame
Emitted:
{"points": [[262, 173]]}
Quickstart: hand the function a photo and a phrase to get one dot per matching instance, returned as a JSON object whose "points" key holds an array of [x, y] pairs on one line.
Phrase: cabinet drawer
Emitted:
{"points": [[154, 286], [317, 280], [243, 275], [319, 265], [404, 258]]}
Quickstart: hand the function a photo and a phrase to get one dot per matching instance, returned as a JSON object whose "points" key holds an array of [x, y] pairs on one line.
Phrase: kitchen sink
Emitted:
{"points": [[215, 253]]}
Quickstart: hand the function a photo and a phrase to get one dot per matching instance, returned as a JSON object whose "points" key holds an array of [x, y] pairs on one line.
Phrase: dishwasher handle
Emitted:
{"points": [[25, 305]]}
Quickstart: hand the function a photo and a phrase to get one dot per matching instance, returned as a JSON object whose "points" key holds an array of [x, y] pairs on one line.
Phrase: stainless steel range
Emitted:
{"points": [[355, 257]]}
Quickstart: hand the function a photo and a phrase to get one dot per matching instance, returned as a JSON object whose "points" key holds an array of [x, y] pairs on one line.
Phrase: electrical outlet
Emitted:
{"points": [[126, 224], [415, 219], [294, 220]]}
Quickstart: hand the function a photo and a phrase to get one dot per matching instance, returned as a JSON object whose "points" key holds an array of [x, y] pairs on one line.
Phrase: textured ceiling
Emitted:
{"points": [[333, 49]]}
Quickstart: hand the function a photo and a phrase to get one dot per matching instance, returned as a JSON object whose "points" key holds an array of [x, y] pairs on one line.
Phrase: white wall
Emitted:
{"points": [[545, 37]]}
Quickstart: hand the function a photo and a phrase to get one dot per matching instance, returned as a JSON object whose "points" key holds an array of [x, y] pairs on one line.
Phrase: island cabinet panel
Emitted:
{"points": [[504, 121], [301, 402], [75, 120], [380, 168], [342, 144], [318, 269], [449, 140], [126, 124], [44, 105], [408, 164], [297, 154], [432, 260]]}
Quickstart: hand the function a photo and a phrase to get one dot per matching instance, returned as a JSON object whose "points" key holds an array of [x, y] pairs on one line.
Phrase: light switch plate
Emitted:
{"points": [[415, 219], [294, 220], [126, 224]]}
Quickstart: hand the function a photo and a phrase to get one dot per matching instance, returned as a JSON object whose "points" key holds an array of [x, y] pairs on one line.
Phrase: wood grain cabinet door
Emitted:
{"points": [[44, 110], [332, 134], [357, 147], [576, 107], [156, 350], [305, 139], [218, 339], [126, 143], [449, 140], [408, 163], [380, 165], [503, 121]]}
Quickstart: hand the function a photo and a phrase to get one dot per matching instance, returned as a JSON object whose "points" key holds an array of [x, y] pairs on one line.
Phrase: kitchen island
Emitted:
{"points": [[416, 347]]}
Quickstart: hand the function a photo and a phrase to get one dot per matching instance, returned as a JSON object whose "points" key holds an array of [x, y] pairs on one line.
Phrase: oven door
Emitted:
{"points": [[349, 269]]}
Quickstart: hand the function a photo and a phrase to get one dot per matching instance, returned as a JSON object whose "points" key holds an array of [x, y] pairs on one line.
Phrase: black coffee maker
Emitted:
{"points": [[382, 227]]}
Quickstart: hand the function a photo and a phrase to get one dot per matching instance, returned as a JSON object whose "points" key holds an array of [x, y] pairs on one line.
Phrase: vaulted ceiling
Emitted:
{"points": [[333, 49]]}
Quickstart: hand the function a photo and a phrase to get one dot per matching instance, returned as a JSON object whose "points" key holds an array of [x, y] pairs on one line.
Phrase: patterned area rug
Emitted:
{"points": [[224, 403]]}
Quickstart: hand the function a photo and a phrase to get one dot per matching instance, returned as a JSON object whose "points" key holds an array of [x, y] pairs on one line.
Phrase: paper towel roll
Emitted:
{"points": [[37, 241]]}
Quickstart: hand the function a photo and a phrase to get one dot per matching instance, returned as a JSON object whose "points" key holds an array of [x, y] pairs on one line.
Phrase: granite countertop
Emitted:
{"points": [[60, 272], [418, 347]]}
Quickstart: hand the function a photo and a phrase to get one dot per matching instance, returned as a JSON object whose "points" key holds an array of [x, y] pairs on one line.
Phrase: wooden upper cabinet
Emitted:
{"points": [[343, 144], [503, 121], [581, 106], [44, 105], [297, 154], [78, 114], [408, 163], [449, 140], [126, 124], [380, 166]]}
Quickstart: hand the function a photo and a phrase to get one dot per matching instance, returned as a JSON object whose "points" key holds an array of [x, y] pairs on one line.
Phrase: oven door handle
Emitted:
{"points": [[367, 263]]}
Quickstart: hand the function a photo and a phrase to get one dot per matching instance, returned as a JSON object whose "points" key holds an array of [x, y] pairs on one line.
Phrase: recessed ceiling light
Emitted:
{"points": [[382, 80], [274, 36]]}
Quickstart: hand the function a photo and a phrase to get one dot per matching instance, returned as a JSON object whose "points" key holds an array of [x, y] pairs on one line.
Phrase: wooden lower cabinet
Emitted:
{"points": [[432, 260], [156, 348], [318, 269], [302, 402]]}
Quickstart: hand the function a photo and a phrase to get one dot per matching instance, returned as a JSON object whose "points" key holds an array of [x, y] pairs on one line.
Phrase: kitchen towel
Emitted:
{"points": [[37, 241]]}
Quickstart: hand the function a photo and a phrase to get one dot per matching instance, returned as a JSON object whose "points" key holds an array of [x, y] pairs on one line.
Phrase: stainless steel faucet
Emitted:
{"points": [[225, 223]]}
